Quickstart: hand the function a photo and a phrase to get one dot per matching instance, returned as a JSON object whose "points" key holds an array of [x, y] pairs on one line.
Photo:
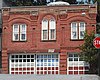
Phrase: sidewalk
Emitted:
{"points": [[48, 77]]}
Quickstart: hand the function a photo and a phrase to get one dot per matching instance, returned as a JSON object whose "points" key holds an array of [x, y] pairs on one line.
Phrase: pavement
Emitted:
{"points": [[48, 77]]}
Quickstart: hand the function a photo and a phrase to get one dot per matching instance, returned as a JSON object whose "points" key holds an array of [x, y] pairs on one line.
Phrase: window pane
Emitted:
{"points": [[52, 34], [44, 24], [52, 24], [75, 59], [52, 29], [74, 34], [70, 55], [75, 55], [74, 30], [81, 34], [16, 28], [23, 36], [70, 59], [81, 30], [23, 32], [22, 28], [15, 36], [45, 35], [16, 32]]}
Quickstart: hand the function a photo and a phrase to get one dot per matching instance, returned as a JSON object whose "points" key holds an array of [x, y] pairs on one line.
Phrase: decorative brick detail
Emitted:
{"points": [[4, 61], [92, 16], [32, 17], [63, 16], [63, 61]]}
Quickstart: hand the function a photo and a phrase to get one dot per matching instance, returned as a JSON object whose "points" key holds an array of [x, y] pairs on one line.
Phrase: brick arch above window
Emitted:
{"points": [[48, 16], [78, 18], [19, 20]]}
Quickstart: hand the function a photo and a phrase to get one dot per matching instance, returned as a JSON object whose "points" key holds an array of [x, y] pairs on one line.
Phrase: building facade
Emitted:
{"points": [[45, 39]]}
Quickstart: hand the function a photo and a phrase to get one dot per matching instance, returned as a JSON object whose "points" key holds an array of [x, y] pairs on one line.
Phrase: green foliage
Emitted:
{"points": [[31, 2], [89, 52]]}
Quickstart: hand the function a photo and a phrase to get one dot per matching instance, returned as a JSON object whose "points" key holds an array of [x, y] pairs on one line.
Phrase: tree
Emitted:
{"points": [[89, 53], [33, 2]]}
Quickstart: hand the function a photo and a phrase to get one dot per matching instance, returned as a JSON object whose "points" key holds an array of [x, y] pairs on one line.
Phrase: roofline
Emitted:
{"points": [[44, 6]]}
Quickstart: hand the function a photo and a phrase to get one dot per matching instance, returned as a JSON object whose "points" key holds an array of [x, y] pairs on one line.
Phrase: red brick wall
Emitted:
{"points": [[63, 43]]}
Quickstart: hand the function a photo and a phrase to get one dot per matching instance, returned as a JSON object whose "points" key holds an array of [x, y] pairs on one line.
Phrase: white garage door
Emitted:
{"points": [[34, 63], [76, 65]]}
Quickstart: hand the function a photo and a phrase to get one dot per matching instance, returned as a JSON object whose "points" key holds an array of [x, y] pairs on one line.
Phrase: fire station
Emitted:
{"points": [[46, 39]]}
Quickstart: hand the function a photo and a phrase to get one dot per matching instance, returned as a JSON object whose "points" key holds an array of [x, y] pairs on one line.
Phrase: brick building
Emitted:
{"points": [[45, 39]]}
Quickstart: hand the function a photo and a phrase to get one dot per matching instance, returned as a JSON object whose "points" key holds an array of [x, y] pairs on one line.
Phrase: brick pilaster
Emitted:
{"points": [[63, 62], [4, 61]]}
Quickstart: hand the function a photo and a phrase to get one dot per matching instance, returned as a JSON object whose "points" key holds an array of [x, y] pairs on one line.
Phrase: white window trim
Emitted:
{"points": [[52, 28], [24, 32], [19, 32], [81, 30], [44, 29], [15, 32], [76, 31], [48, 30]]}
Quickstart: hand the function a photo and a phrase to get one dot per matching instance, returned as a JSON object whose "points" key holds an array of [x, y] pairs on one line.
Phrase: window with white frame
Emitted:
{"points": [[48, 29], [76, 65], [77, 30], [19, 32], [81, 30]]}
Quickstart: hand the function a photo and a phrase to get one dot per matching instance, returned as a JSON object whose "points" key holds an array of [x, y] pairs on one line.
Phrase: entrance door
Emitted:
{"points": [[43, 63]]}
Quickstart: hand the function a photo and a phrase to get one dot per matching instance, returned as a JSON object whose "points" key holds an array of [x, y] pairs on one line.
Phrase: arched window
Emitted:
{"points": [[45, 30], [77, 30], [48, 29], [52, 29]]}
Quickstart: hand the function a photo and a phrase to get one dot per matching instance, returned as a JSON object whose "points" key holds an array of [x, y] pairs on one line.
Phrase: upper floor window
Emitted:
{"points": [[77, 30], [19, 32], [48, 29]]}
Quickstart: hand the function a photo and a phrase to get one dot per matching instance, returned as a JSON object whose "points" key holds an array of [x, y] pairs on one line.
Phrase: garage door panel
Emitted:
{"points": [[34, 64], [47, 64], [76, 65], [22, 64]]}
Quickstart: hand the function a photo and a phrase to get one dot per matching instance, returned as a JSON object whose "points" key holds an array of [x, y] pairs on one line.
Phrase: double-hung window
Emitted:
{"points": [[48, 29], [77, 30], [81, 30], [19, 32], [45, 30], [74, 31], [52, 30]]}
